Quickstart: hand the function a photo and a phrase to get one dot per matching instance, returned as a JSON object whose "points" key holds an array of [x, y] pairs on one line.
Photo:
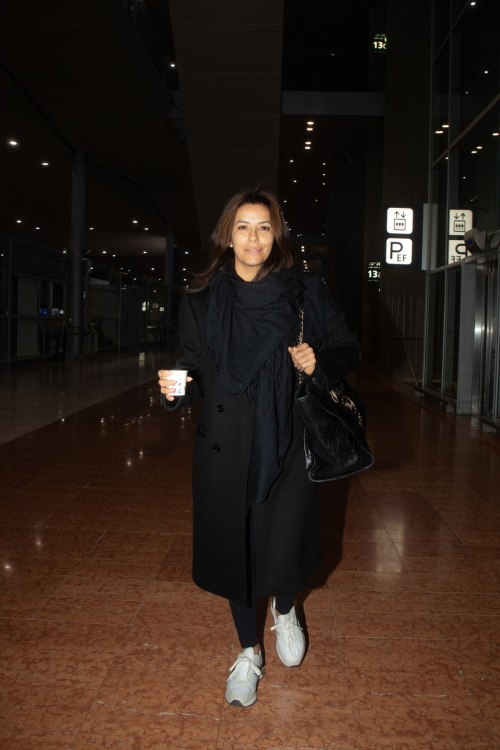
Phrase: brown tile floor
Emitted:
{"points": [[106, 642]]}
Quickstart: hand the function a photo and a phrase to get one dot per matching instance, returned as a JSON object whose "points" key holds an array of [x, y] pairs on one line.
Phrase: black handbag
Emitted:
{"points": [[334, 428]]}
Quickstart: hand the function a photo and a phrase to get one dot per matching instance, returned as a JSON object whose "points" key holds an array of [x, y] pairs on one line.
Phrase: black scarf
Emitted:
{"points": [[249, 327]]}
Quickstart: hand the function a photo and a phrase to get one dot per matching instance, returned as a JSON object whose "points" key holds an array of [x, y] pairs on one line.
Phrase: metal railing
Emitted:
{"points": [[414, 352]]}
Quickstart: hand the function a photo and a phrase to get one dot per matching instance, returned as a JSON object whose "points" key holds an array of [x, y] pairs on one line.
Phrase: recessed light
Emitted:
{"points": [[486, 72], [324, 183], [295, 180], [316, 198], [310, 122], [479, 147], [13, 143], [91, 229], [104, 252], [445, 126], [144, 252], [186, 252], [146, 229], [152, 269], [114, 255], [18, 221], [172, 65], [473, 151], [308, 143], [495, 134], [309, 128], [134, 221], [37, 227], [439, 132], [45, 163], [284, 201], [307, 148]]}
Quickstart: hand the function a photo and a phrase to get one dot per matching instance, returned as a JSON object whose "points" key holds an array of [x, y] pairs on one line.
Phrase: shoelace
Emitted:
{"points": [[286, 629], [242, 668]]}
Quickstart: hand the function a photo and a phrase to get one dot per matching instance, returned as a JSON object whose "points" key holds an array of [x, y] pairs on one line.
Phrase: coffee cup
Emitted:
{"points": [[180, 382]]}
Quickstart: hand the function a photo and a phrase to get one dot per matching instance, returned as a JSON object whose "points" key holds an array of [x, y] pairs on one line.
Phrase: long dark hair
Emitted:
{"points": [[281, 255]]}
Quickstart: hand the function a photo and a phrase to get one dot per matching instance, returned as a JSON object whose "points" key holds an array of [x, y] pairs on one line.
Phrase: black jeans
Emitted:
{"points": [[245, 618]]}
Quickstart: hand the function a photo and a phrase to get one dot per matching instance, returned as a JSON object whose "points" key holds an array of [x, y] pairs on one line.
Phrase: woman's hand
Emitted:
{"points": [[303, 358], [166, 385]]}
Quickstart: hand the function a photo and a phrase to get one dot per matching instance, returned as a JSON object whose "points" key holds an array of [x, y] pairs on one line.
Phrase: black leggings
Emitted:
{"points": [[245, 618]]}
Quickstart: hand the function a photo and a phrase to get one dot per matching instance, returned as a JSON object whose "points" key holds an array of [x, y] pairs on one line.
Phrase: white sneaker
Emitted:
{"points": [[290, 641], [242, 683]]}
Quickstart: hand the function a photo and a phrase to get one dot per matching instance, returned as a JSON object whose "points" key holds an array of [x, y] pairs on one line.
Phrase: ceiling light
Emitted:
{"points": [[172, 65], [316, 198], [486, 72], [18, 221], [303, 250], [295, 180], [310, 122], [307, 148], [152, 269], [144, 252], [134, 221], [291, 161], [284, 201], [324, 174], [308, 143], [91, 229], [186, 252], [309, 128], [324, 183], [37, 227], [114, 255], [496, 134], [439, 132], [146, 229], [13, 143], [104, 252], [473, 151], [479, 147], [45, 163], [445, 126]]}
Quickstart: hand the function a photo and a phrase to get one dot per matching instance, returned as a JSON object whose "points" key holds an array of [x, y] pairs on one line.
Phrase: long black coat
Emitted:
{"points": [[287, 524]]}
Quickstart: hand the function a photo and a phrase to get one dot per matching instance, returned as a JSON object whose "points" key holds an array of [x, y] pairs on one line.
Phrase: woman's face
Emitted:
{"points": [[251, 239]]}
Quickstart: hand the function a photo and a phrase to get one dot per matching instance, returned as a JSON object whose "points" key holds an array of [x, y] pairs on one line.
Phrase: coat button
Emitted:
{"points": [[220, 407], [216, 448]]}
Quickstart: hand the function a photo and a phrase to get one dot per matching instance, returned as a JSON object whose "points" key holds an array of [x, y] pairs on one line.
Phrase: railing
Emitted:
{"points": [[414, 351]]}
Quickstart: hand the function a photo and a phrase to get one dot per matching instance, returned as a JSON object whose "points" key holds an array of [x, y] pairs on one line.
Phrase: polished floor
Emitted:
{"points": [[105, 642], [34, 397]]}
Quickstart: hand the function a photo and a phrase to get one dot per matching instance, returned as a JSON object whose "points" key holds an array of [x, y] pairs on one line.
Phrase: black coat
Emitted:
{"points": [[287, 526]]}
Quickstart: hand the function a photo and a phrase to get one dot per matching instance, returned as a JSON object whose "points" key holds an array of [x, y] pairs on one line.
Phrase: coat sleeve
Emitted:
{"points": [[338, 354], [190, 339]]}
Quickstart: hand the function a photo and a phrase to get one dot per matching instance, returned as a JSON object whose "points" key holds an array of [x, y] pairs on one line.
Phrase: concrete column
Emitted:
{"points": [[79, 179], [169, 272]]}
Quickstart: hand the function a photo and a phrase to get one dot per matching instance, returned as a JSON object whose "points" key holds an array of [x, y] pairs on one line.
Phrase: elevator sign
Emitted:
{"points": [[402, 241]]}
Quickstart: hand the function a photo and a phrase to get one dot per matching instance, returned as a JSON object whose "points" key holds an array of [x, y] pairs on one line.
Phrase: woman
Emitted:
{"points": [[256, 529]]}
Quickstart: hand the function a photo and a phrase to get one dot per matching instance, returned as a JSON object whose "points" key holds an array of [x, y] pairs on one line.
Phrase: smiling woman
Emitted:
{"points": [[250, 234], [256, 527]]}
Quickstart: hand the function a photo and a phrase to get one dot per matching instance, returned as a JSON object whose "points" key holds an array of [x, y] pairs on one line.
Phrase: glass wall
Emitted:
{"points": [[462, 331]]}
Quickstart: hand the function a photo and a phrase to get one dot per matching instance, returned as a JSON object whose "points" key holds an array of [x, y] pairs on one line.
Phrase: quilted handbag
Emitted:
{"points": [[334, 428]]}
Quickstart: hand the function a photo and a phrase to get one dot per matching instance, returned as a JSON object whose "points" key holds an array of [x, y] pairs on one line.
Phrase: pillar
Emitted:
{"points": [[77, 237]]}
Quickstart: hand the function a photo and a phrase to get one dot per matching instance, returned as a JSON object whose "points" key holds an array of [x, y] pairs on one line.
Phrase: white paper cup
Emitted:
{"points": [[180, 382]]}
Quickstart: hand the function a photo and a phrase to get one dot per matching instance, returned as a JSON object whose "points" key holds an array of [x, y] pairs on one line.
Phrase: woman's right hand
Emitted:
{"points": [[168, 386]]}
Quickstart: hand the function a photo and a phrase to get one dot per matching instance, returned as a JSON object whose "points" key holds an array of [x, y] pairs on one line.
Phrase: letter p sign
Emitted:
{"points": [[398, 251]]}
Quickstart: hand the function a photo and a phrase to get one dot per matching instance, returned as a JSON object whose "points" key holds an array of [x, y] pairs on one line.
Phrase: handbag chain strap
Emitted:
{"points": [[301, 337]]}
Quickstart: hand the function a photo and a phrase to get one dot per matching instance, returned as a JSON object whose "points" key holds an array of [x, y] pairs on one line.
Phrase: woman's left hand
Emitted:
{"points": [[303, 358]]}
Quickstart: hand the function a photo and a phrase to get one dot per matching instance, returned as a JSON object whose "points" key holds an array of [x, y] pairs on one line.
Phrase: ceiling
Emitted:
{"points": [[171, 148]]}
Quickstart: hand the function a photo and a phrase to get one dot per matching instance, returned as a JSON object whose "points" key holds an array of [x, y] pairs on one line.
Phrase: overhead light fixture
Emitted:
{"points": [[104, 252], [309, 128], [479, 148], [144, 252], [91, 229], [495, 134], [146, 229], [186, 252], [114, 255], [295, 180], [37, 227], [486, 72], [439, 132], [13, 143], [310, 122], [324, 163], [291, 161], [172, 65], [152, 269], [473, 151], [308, 143], [445, 126], [19, 221], [45, 163], [307, 148], [134, 221]]}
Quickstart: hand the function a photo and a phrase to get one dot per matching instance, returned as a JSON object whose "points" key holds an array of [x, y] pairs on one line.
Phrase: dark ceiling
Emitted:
{"points": [[89, 76]]}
